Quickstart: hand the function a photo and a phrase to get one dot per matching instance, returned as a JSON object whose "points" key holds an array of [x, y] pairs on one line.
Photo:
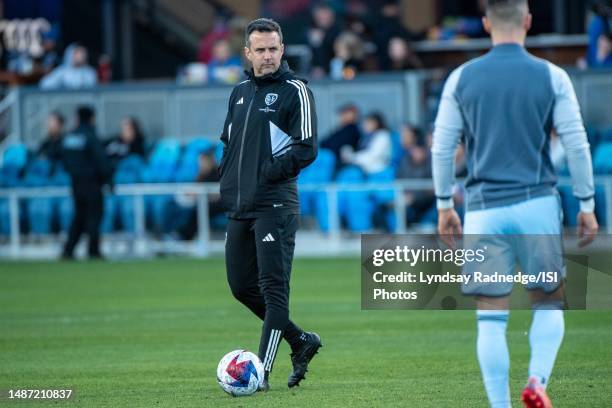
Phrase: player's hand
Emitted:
{"points": [[587, 228], [449, 226]]}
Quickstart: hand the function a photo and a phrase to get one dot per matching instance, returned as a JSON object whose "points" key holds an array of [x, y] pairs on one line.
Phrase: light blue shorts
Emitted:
{"points": [[526, 234]]}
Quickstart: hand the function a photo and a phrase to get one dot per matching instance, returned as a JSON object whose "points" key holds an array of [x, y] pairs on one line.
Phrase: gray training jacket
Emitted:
{"points": [[505, 104]]}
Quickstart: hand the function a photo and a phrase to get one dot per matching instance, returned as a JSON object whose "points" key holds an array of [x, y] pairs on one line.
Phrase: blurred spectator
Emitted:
{"points": [[349, 54], [320, 38], [598, 53], [182, 211], [85, 162], [224, 67], [401, 57], [220, 31], [130, 141], [415, 164], [416, 160], [51, 146], [374, 154], [347, 133], [389, 26], [50, 57], [74, 73], [105, 69]]}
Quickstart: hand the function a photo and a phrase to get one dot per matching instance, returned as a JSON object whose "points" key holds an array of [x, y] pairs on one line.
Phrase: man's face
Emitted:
{"points": [[347, 117], [265, 51], [79, 56], [54, 126]]}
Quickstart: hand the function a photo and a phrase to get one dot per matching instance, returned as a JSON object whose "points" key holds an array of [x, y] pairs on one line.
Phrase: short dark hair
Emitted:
{"points": [[507, 12], [266, 25], [85, 114]]}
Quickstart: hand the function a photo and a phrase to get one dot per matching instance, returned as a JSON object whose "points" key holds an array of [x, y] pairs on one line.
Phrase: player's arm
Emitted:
{"points": [[226, 133], [568, 124], [302, 129], [448, 128]]}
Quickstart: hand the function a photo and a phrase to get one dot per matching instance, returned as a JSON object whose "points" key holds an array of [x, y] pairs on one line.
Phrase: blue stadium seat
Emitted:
{"points": [[571, 206], [5, 221], [606, 135], [39, 210], [129, 171], [355, 207], [218, 152], [166, 151], [15, 155], [62, 207], [593, 136], [397, 151], [198, 145], [161, 169], [382, 198], [602, 160], [315, 202]]}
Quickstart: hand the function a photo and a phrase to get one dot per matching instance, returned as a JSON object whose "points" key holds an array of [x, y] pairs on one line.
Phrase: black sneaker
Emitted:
{"points": [[302, 357]]}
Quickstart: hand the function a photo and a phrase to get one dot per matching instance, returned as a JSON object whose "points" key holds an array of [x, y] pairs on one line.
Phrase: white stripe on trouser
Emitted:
{"points": [[272, 348]]}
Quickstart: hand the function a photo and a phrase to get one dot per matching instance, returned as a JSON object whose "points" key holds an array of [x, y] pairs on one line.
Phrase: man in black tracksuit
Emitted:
{"points": [[269, 136], [87, 165]]}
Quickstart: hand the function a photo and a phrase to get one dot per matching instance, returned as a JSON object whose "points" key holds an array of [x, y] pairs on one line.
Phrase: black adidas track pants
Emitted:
{"points": [[258, 257]]}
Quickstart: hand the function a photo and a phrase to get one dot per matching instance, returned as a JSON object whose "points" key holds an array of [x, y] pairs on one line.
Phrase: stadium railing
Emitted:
{"points": [[204, 245]]}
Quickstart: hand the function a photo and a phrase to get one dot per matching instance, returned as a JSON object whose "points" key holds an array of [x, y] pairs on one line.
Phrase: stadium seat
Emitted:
{"points": [[602, 160], [218, 152], [397, 151], [166, 151], [5, 224], [315, 202], [606, 136], [129, 171], [15, 155], [39, 210], [355, 207], [571, 206], [161, 169], [198, 145], [62, 207], [382, 198]]}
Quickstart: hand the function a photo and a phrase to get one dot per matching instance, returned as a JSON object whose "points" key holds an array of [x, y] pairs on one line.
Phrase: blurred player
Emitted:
{"points": [[505, 104], [269, 135]]}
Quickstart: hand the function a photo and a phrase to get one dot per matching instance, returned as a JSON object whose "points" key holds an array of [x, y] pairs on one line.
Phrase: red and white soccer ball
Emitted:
{"points": [[239, 373]]}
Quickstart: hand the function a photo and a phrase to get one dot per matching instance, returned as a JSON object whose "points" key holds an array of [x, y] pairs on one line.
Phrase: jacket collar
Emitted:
{"points": [[282, 73]]}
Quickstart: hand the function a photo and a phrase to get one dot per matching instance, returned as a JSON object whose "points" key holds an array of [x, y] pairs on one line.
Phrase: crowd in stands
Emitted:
{"points": [[344, 39], [359, 150]]}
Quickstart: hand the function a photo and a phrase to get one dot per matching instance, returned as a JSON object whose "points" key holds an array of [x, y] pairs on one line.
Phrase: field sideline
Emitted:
{"points": [[150, 334]]}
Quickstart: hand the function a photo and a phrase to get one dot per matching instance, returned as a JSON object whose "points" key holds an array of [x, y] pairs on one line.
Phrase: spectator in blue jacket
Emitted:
{"points": [[74, 73]]}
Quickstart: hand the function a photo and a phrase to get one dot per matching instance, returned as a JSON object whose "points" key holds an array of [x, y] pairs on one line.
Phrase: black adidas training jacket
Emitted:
{"points": [[269, 135]]}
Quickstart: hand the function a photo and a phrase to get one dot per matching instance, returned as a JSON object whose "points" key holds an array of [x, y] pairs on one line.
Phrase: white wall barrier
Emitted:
{"points": [[144, 244]]}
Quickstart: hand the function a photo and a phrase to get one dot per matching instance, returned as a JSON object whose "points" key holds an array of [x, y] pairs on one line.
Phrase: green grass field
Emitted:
{"points": [[150, 334]]}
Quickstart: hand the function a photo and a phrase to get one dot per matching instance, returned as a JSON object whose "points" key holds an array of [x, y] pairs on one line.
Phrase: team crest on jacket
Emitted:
{"points": [[271, 98]]}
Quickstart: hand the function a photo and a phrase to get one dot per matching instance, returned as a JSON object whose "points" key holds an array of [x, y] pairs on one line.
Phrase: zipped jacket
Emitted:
{"points": [[269, 135]]}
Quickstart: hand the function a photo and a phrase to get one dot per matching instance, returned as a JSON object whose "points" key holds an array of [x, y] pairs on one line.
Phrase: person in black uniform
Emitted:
{"points": [[269, 135], [84, 159]]}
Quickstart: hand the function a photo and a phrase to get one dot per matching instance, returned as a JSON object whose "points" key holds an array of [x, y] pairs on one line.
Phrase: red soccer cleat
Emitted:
{"points": [[534, 395]]}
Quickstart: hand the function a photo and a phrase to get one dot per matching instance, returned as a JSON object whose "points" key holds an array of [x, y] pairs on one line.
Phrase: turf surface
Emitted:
{"points": [[149, 334]]}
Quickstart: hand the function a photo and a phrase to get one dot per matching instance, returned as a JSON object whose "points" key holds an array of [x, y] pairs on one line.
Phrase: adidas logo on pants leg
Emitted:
{"points": [[268, 238]]}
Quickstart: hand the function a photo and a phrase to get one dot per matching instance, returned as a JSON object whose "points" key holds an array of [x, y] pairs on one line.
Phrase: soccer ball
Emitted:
{"points": [[239, 373]]}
